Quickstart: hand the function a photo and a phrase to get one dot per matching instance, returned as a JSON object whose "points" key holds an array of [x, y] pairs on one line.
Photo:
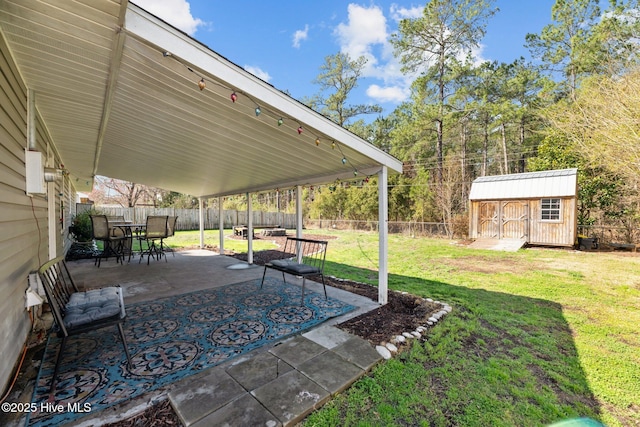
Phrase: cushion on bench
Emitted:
{"points": [[291, 266], [282, 263], [93, 296], [81, 315]]}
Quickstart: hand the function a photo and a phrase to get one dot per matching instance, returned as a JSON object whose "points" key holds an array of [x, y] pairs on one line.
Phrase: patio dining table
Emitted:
{"points": [[128, 229]]}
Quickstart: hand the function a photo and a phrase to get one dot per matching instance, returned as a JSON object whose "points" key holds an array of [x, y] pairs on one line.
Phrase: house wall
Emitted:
{"points": [[521, 218], [24, 220]]}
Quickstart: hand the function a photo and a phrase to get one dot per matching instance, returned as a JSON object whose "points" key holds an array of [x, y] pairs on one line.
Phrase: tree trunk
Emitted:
{"points": [[503, 133]]}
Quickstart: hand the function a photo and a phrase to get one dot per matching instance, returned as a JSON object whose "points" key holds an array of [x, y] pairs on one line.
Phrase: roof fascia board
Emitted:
{"points": [[320, 180], [152, 30]]}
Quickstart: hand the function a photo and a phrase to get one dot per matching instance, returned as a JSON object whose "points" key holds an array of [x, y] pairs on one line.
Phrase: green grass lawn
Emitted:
{"points": [[535, 336]]}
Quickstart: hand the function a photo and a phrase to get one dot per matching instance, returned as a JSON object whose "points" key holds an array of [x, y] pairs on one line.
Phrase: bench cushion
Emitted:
{"points": [[291, 266], [303, 269], [109, 306], [282, 263], [93, 296]]}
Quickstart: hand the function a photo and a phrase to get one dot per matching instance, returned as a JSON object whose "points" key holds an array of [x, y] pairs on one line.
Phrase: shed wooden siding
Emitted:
{"points": [[555, 233], [24, 220], [521, 219]]}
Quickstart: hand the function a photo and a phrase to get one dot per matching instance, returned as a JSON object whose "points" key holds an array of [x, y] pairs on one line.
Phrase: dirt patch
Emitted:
{"points": [[479, 264]]}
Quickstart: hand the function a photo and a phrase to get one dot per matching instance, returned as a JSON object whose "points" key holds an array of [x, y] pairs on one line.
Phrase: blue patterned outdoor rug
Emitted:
{"points": [[169, 339]]}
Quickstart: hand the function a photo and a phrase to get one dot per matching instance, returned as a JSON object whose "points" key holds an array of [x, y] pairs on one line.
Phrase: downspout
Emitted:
{"points": [[31, 121]]}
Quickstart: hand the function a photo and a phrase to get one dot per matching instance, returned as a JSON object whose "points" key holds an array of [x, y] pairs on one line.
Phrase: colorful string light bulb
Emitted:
{"points": [[234, 97], [202, 84]]}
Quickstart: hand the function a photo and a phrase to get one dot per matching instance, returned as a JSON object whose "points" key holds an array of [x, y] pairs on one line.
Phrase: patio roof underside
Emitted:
{"points": [[115, 104]]}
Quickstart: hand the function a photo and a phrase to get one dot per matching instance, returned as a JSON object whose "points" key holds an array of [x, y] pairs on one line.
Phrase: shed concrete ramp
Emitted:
{"points": [[508, 245]]}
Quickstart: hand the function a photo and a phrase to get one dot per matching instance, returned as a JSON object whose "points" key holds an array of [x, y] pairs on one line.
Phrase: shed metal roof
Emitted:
{"points": [[551, 183]]}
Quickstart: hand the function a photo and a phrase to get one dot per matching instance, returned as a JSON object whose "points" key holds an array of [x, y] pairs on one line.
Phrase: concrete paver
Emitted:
{"points": [[331, 371], [359, 352], [197, 397], [257, 370], [246, 411], [291, 397], [297, 350]]}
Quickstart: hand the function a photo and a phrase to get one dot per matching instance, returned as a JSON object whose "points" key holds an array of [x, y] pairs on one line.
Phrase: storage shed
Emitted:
{"points": [[536, 208]]}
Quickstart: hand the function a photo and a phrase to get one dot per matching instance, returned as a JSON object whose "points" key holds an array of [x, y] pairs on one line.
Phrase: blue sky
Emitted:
{"points": [[285, 42]]}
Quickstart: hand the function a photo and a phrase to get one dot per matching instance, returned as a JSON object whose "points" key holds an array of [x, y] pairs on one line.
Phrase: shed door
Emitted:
{"points": [[488, 220], [514, 219]]}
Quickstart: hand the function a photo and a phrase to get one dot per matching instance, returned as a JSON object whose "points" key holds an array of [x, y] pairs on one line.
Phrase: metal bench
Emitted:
{"points": [[301, 258], [75, 312]]}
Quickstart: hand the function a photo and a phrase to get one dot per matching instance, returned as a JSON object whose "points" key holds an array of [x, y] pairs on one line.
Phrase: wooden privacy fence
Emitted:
{"points": [[188, 219]]}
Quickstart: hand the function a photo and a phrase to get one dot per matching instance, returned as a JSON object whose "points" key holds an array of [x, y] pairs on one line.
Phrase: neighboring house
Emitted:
{"points": [[536, 208]]}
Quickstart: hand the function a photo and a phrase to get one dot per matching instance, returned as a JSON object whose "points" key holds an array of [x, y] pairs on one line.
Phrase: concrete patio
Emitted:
{"points": [[278, 384]]}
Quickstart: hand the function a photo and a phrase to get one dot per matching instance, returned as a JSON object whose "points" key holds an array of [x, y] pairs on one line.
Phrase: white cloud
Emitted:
{"points": [[398, 13], [175, 12], [366, 34], [367, 27], [258, 72], [300, 35], [395, 94]]}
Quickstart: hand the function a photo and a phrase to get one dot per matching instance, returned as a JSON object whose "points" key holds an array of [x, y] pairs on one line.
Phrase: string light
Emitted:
{"points": [[202, 83]]}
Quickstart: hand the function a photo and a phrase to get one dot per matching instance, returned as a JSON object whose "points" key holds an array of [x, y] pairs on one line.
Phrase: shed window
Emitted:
{"points": [[550, 209]]}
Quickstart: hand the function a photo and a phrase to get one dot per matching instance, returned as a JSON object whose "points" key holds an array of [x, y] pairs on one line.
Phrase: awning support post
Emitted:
{"points": [[383, 235]]}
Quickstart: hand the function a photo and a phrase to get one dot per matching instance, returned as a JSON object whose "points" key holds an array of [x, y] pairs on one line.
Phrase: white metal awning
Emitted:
{"points": [[117, 90]]}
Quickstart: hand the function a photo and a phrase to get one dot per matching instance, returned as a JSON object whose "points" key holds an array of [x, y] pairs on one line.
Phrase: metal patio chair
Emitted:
{"points": [[112, 238], [171, 230], [76, 312], [155, 231]]}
